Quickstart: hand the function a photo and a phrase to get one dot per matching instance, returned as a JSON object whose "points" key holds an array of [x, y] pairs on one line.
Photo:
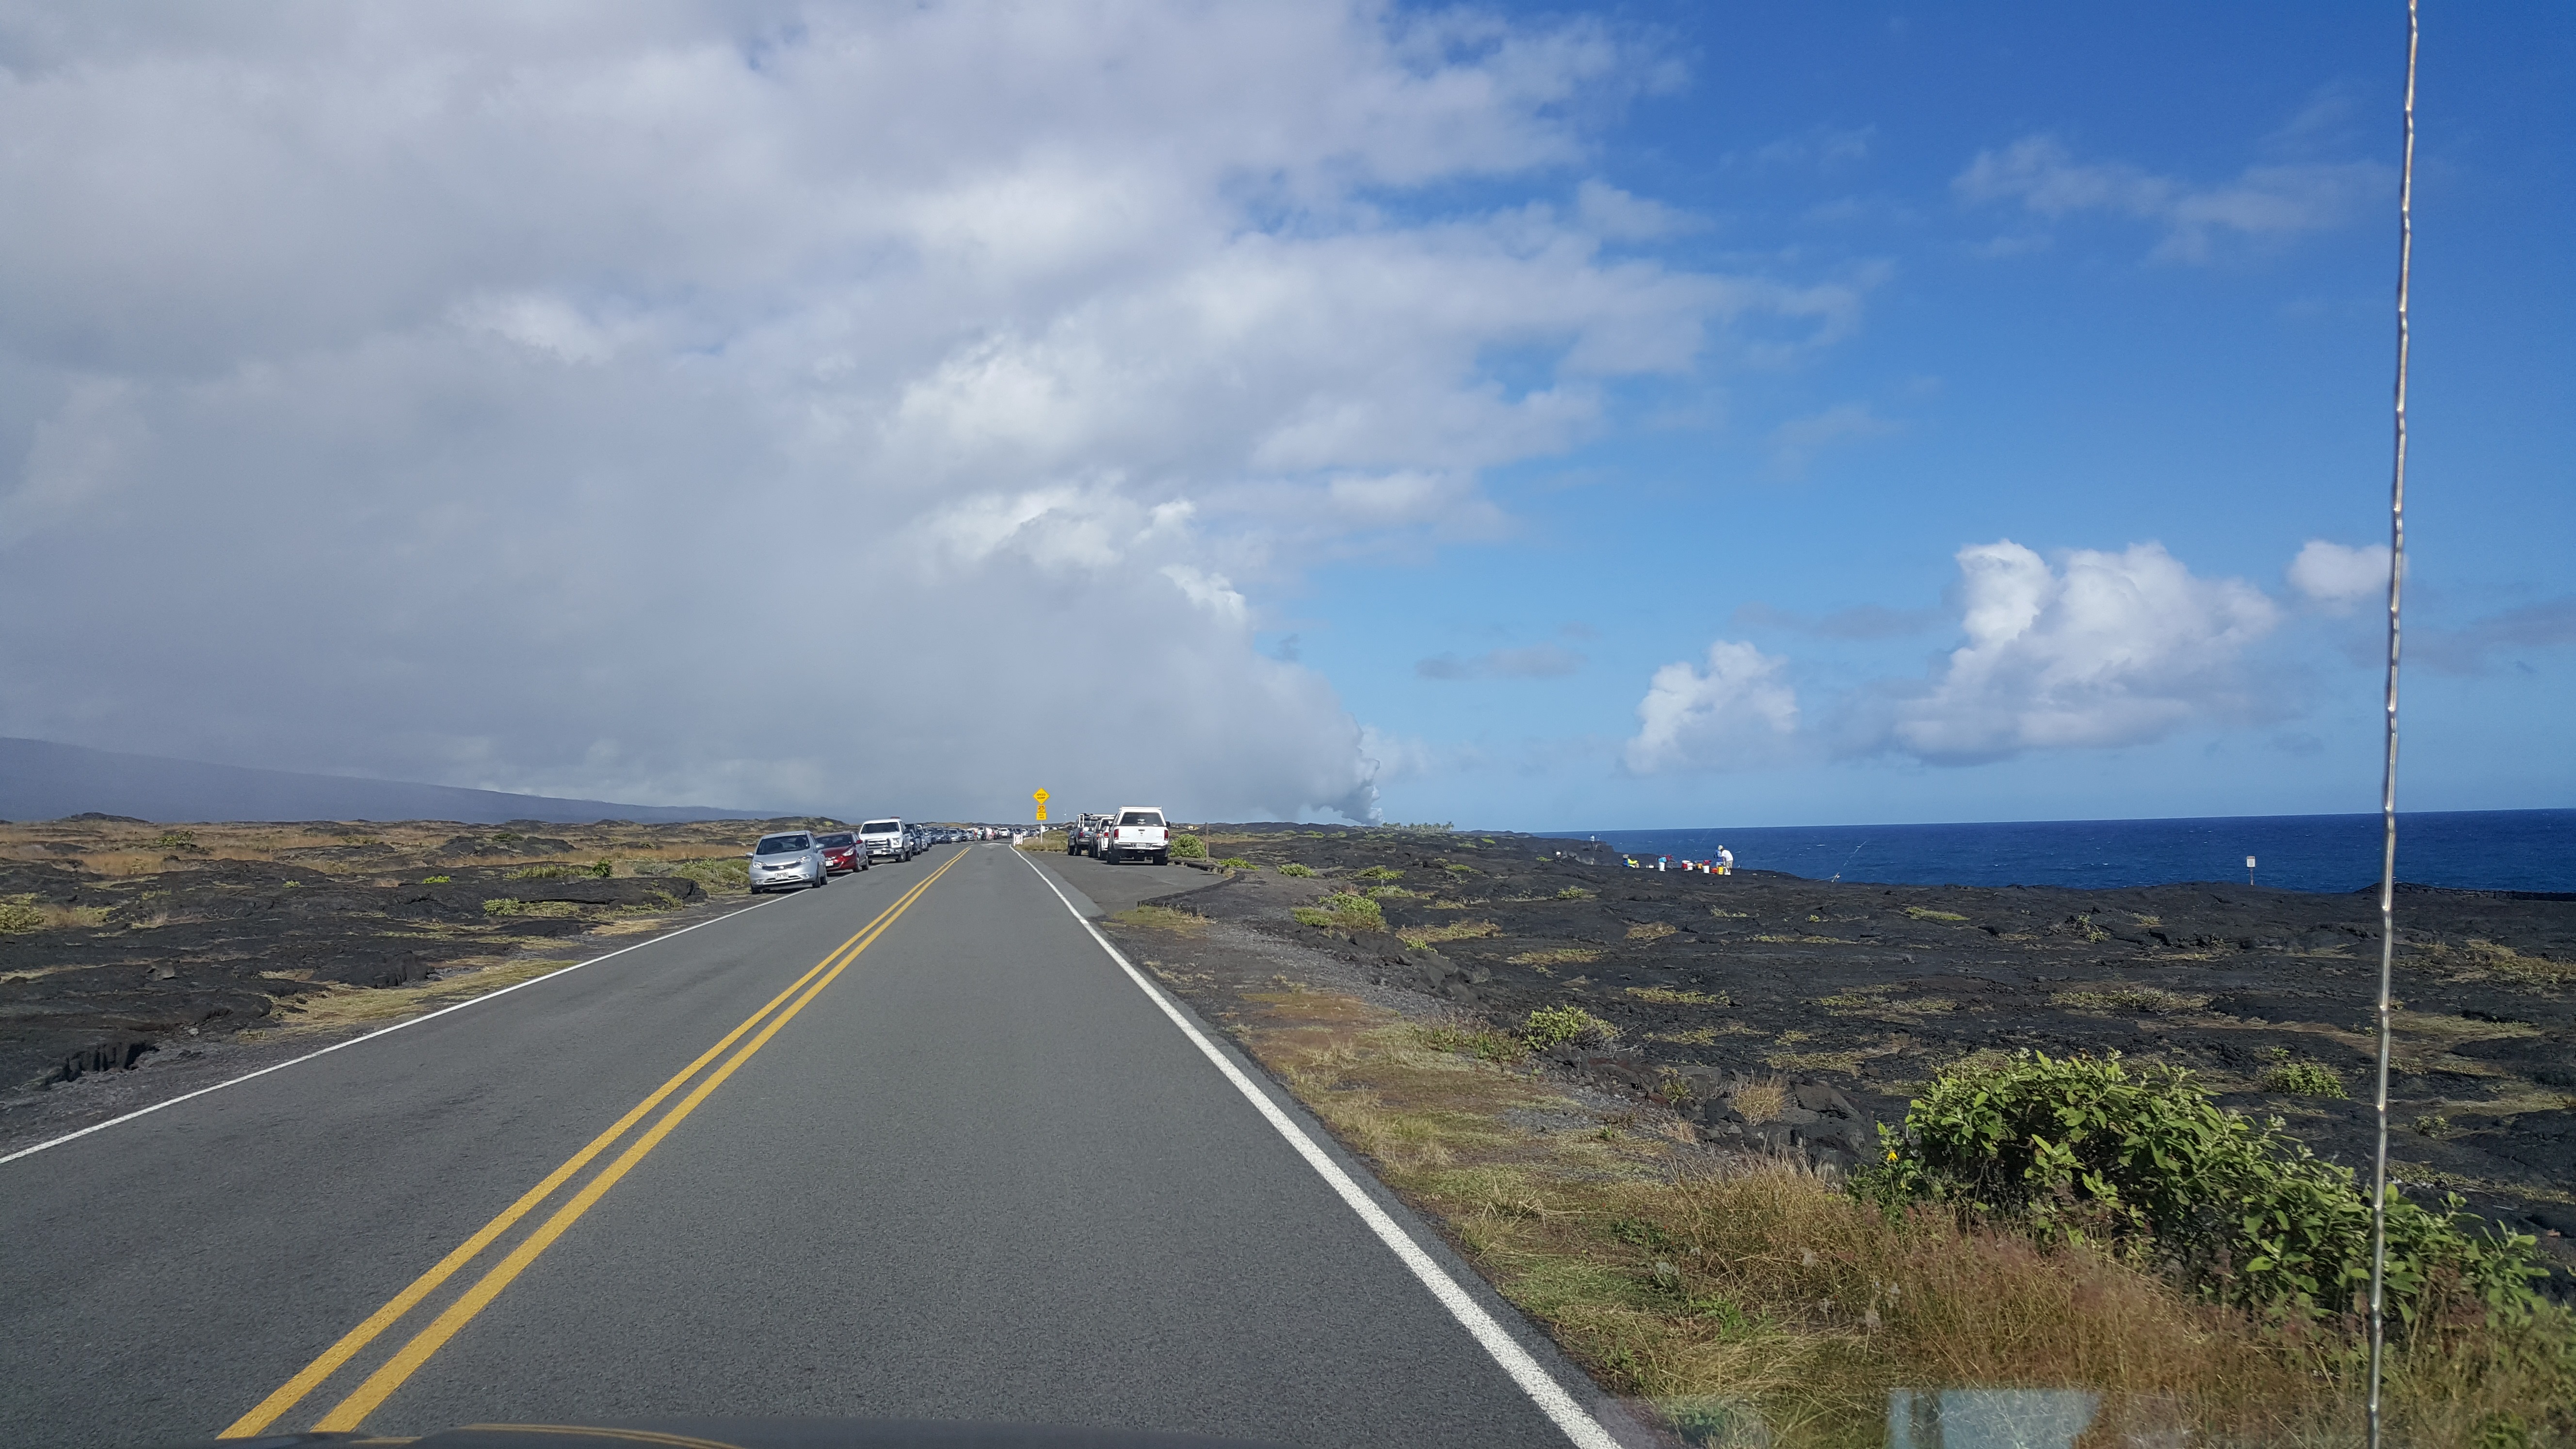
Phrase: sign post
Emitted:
{"points": [[1040, 796]]}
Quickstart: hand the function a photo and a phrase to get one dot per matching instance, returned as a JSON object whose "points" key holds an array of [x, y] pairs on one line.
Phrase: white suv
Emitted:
{"points": [[1139, 834], [885, 840]]}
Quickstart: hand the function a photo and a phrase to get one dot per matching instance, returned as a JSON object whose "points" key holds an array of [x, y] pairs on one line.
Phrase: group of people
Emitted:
{"points": [[1722, 863]]}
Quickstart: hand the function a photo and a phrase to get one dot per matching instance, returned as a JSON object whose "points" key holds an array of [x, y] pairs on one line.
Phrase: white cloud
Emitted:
{"points": [[1735, 714], [655, 374], [2340, 577], [2106, 649], [2264, 201], [1616, 215]]}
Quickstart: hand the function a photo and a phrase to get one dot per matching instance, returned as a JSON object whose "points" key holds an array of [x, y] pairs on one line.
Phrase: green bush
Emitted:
{"points": [[1476, 1040], [1551, 1025], [1343, 909], [436, 879], [603, 869], [2147, 1166], [730, 873], [2303, 1079], [1236, 862], [541, 872], [1293, 868], [1378, 872], [1188, 847], [18, 916]]}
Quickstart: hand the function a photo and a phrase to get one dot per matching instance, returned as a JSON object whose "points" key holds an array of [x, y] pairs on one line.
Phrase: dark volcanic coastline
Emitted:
{"points": [[1847, 996]]}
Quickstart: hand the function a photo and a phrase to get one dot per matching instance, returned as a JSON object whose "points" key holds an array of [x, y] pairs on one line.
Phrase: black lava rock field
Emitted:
{"points": [[1833, 1001]]}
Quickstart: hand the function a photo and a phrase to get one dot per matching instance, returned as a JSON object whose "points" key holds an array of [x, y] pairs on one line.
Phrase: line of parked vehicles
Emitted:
{"points": [[1135, 832], [800, 859]]}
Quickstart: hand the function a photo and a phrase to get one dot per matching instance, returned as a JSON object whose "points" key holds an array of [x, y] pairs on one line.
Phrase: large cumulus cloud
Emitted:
{"points": [[2098, 650], [777, 404]]}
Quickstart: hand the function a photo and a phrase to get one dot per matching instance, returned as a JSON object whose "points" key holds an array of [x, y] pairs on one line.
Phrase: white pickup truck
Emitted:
{"points": [[1138, 834]]}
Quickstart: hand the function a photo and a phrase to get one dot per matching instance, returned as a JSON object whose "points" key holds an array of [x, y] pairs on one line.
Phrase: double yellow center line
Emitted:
{"points": [[362, 1401]]}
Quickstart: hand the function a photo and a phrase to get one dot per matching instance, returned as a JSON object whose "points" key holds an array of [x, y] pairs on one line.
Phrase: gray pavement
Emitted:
{"points": [[979, 1176], [1101, 888]]}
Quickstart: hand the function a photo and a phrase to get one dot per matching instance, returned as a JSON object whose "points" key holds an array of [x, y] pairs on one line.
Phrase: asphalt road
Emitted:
{"points": [[966, 1168]]}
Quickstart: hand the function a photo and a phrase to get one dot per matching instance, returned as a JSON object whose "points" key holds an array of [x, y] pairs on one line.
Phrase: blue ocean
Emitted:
{"points": [[2523, 850]]}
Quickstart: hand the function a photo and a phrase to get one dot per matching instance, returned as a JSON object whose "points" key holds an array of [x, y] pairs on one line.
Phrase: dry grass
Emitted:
{"points": [[1418, 936], [20, 915], [1702, 1035], [2487, 959], [1557, 956], [1650, 931], [1163, 918], [1761, 1101], [122, 862], [2123, 997], [337, 1007], [1671, 996], [1688, 1282]]}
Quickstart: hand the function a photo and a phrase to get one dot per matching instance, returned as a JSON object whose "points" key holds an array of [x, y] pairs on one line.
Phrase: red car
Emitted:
{"points": [[841, 853]]}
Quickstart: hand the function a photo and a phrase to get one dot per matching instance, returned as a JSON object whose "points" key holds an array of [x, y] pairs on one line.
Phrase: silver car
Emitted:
{"points": [[791, 859]]}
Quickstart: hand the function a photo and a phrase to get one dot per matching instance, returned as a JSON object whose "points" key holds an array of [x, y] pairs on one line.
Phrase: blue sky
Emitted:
{"points": [[2075, 381], [1652, 415]]}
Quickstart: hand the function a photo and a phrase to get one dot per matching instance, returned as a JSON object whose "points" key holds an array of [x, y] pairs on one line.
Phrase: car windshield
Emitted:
{"points": [[785, 844], [1140, 817], [837, 838], [881, 827]]}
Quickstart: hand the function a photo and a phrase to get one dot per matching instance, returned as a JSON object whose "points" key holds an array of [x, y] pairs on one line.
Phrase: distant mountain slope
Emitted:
{"points": [[40, 780]]}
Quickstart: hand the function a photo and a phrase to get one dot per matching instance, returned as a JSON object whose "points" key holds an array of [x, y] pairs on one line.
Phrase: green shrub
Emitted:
{"points": [[436, 879], [602, 869], [725, 873], [1476, 1040], [1353, 911], [1188, 847], [1378, 872], [541, 872], [2303, 1079], [1551, 1025], [1236, 862], [18, 916], [1293, 868], [2147, 1166], [1574, 893]]}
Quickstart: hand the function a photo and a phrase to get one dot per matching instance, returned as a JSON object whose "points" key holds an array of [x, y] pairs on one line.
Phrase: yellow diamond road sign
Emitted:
{"points": [[1039, 796]]}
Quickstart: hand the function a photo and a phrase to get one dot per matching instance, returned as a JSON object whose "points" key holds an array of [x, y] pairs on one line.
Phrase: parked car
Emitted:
{"points": [[841, 853], [885, 840], [1078, 836], [1140, 834], [788, 859]]}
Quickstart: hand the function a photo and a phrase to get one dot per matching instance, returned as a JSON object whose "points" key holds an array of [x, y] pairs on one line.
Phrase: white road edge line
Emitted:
{"points": [[1534, 1380], [370, 1036]]}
